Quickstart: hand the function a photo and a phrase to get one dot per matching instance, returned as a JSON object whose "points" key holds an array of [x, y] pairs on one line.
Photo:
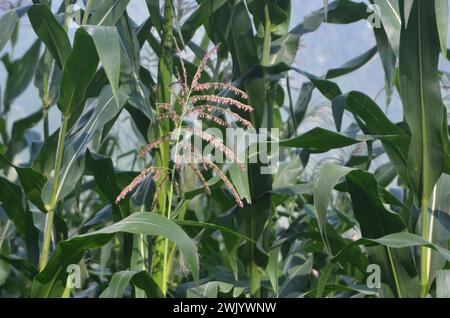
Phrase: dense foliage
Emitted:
{"points": [[100, 207]]}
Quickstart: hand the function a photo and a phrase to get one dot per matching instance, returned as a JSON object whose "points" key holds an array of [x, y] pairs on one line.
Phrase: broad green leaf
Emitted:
{"points": [[107, 42], [375, 221], [50, 32], [108, 12], [51, 281], [100, 112], [374, 122], [8, 22], [368, 207], [422, 100], [79, 70]]}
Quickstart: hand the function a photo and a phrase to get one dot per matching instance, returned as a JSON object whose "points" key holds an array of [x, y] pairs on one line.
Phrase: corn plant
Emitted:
{"points": [[119, 199]]}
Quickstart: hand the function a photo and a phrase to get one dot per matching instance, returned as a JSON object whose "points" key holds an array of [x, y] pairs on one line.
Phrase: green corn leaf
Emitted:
{"points": [[51, 281], [102, 110], [79, 71], [422, 100], [321, 140], [50, 32], [107, 43], [108, 12]]}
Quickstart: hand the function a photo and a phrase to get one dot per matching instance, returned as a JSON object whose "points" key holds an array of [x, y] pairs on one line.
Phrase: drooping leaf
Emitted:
{"points": [[50, 32], [51, 281]]}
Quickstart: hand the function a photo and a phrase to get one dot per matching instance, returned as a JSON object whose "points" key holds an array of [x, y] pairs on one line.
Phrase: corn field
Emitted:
{"points": [[185, 154]]}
